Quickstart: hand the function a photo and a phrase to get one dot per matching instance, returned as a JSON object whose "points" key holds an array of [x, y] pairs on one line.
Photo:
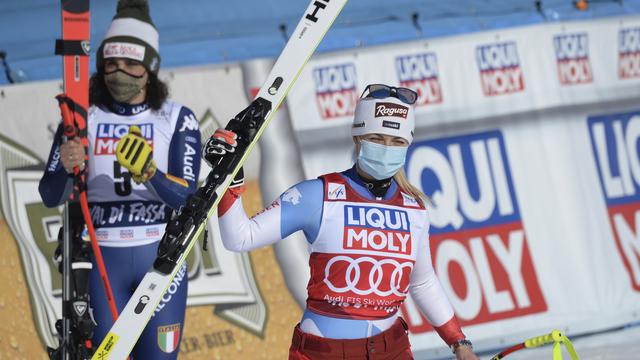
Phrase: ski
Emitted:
{"points": [[75, 327], [190, 222]]}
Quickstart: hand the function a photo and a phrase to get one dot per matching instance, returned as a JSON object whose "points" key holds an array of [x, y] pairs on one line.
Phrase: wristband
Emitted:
{"points": [[463, 342]]}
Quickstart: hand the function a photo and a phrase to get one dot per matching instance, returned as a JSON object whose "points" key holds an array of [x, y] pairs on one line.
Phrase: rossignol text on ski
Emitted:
{"points": [[190, 222]]}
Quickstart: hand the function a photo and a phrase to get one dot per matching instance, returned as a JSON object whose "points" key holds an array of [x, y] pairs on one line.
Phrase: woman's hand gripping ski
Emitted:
{"points": [[220, 143]]}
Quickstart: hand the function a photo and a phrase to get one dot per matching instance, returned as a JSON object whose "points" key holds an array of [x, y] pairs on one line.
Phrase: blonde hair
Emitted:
{"points": [[401, 179], [403, 183]]}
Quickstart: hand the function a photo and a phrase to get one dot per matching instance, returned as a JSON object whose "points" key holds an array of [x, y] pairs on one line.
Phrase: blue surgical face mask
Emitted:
{"points": [[381, 161]]}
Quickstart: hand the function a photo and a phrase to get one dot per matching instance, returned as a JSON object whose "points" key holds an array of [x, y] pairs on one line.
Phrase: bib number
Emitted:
{"points": [[122, 187]]}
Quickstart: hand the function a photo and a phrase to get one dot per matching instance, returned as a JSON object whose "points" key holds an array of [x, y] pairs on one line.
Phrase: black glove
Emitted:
{"points": [[220, 143]]}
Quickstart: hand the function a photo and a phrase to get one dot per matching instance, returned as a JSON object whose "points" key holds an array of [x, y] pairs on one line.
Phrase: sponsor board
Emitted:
{"points": [[419, 72], [499, 66], [629, 53], [335, 87], [614, 140], [572, 58], [478, 242]]}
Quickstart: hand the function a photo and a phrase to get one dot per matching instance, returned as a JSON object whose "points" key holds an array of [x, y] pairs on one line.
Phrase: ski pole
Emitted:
{"points": [[556, 337], [70, 132]]}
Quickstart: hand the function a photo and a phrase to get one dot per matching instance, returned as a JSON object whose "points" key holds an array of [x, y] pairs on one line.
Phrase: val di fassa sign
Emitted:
{"points": [[216, 277], [478, 242], [614, 139]]}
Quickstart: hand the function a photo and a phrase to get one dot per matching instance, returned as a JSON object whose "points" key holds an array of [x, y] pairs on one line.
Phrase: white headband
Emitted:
{"points": [[134, 28], [389, 116]]}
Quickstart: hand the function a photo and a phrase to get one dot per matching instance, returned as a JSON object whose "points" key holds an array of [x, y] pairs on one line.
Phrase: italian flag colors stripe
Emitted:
{"points": [[168, 337]]}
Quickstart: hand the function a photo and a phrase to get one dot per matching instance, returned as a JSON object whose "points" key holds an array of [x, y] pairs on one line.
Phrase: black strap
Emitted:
{"points": [[72, 47], [73, 106]]}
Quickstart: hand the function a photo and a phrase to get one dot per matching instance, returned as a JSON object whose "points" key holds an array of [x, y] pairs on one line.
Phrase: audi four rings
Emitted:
{"points": [[352, 276]]}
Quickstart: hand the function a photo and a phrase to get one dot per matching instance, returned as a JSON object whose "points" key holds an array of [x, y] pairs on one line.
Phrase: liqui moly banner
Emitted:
{"points": [[499, 66], [572, 57], [420, 73], [479, 245], [336, 90], [629, 53], [614, 139]]}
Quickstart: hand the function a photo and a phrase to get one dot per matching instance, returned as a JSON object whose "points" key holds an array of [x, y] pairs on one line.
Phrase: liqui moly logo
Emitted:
{"points": [[376, 229], [336, 90], [420, 73], [476, 228], [499, 66], [108, 135], [614, 139], [629, 53], [572, 57]]}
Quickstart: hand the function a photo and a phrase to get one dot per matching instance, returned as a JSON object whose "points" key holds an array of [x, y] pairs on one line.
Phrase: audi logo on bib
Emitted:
{"points": [[356, 285], [376, 282]]}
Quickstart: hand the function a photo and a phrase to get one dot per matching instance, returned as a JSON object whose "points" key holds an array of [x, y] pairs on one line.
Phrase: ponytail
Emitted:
{"points": [[404, 185]]}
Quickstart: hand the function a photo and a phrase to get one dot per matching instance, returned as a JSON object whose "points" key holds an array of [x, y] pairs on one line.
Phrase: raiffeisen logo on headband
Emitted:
{"points": [[478, 242], [108, 135], [499, 66], [614, 139], [572, 56], [629, 53], [336, 90], [420, 73]]}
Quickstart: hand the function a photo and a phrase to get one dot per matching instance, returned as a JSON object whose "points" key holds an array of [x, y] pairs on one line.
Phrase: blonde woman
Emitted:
{"points": [[368, 232]]}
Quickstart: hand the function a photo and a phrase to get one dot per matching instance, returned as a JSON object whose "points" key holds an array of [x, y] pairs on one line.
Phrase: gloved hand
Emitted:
{"points": [[136, 155], [220, 143]]}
